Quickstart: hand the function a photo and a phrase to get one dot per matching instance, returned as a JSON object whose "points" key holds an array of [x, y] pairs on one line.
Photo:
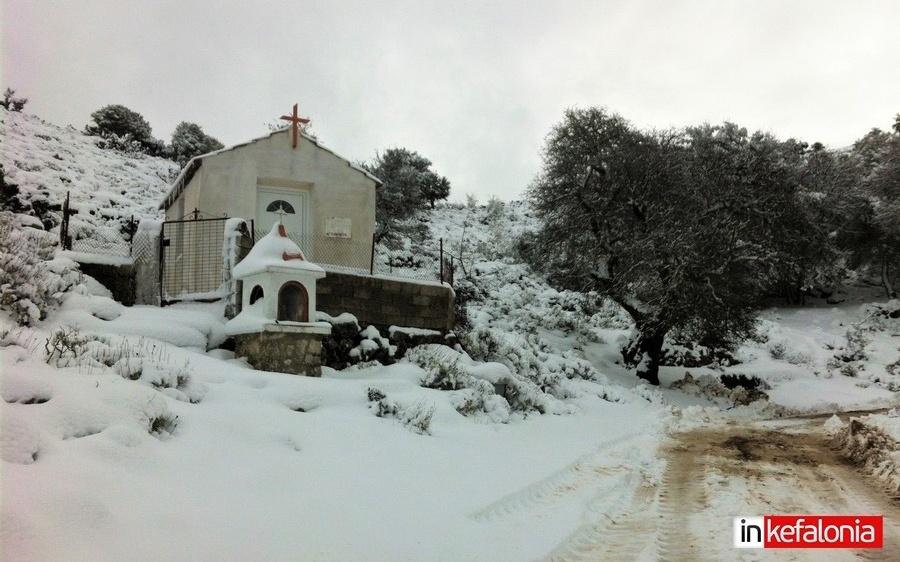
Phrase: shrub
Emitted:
{"points": [[893, 368], [441, 372], [380, 404], [29, 285], [416, 418], [855, 349], [64, 347], [11, 102], [741, 380], [124, 130], [163, 424], [493, 211]]}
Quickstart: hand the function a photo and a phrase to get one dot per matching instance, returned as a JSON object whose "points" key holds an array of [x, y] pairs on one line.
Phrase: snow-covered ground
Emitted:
{"points": [[127, 434]]}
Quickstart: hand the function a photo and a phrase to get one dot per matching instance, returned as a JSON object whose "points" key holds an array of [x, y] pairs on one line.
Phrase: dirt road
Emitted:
{"points": [[715, 473]]}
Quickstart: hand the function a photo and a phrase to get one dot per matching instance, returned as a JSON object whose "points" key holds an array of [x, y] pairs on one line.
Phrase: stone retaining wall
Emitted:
{"points": [[385, 302], [119, 279]]}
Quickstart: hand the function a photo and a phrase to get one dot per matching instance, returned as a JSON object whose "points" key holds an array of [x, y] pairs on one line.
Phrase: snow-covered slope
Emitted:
{"points": [[106, 188]]}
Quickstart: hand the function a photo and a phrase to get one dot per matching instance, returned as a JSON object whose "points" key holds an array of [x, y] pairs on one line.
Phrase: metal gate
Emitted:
{"points": [[190, 260]]}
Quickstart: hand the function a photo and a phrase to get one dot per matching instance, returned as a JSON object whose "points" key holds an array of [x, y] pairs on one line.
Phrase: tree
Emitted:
{"points": [[189, 140], [435, 188], [681, 229], [124, 129], [879, 155], [408, 183], [11, 102], [834, 210]]}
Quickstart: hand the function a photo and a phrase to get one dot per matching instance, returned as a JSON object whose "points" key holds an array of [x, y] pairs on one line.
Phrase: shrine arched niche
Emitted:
{"points": [[293, 302]]}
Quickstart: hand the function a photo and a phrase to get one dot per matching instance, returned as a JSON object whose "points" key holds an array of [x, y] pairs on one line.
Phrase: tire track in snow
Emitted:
{"points": [[855, 488], [618, 526], [681, 495], [587, 470]]}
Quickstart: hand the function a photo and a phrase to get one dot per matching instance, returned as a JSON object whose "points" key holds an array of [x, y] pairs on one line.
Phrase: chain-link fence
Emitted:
{"points": [[191, 264], [104, 243], [113, 248], [366, 258], [340, 253]]}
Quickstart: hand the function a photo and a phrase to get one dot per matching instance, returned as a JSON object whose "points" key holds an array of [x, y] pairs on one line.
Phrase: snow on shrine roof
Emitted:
{"points": [[274, 249], [187, 173]]}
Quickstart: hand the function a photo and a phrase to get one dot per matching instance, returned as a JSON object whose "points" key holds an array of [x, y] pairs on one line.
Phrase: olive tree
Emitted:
{"points": [[683, 229]]}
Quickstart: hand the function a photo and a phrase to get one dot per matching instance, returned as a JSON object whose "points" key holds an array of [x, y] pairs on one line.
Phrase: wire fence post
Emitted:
{"points": [[442, 260], [64, 240], [132, 229], [162, 263], [372, 258]]}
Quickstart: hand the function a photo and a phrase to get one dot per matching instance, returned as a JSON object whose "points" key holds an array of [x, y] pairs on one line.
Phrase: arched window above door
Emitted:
{"points": [[280, 206]]}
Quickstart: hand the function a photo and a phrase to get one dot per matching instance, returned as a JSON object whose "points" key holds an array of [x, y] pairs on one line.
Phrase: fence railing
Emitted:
{"points": [[113, 248], [365, 258], [191, 259]]}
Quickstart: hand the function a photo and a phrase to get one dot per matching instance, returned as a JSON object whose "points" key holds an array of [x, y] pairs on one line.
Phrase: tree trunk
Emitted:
{"points": [[644, 351], [886, 279]]}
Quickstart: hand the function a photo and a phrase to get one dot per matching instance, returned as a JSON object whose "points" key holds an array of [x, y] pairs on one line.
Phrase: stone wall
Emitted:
{"points": [[282, 352], [384, 302], [119, 279]]}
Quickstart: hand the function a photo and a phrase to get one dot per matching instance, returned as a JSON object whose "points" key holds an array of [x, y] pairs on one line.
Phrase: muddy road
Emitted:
{"points": [[715, 473]]}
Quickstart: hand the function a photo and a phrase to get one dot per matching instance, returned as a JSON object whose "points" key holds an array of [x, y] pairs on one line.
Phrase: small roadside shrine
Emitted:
{"points": [[276, 329]]}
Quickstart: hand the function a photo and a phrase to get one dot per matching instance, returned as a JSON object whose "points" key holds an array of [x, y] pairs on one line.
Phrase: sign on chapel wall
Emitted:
{"points": [[338, 227]]}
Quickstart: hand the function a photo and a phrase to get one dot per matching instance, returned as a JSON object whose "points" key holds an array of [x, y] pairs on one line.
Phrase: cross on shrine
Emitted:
{"points": [[295, 123], [280, 212]]}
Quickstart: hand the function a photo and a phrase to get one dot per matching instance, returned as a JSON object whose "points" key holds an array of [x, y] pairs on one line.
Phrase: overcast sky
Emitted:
{"points": [[475, 86]]}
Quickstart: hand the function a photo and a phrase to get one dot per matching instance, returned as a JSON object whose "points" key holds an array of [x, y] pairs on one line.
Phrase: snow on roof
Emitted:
{"points": [[274, 250], [187, 173]]}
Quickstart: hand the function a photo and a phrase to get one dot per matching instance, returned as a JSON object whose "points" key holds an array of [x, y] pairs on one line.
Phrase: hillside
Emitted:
{"points": [[129, 434], [43, 162]]}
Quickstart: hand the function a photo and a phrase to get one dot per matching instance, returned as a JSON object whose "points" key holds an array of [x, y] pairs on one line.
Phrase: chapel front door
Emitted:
{"points": [[291, 206]]}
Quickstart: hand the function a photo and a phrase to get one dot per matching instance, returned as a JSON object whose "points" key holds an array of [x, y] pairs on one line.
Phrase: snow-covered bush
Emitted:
{"points": [[533, 362], [449, 369], [734, 390], [478, 399], [848, 359], [442, 370], [855, 350], [416, 417], [30, 285], [144, 361], [689, 354], [379, 403], [493, 211], [893, 368], [405, 259], [123, 130], [162, 425], [373, 347], [64, 347]]}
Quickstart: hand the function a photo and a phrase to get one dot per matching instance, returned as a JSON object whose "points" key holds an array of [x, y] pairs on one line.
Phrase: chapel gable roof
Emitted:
{"points": [[187, 173]]}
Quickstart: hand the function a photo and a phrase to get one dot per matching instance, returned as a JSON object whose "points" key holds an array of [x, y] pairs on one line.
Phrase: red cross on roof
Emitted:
{"points": [[295, 124]]}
